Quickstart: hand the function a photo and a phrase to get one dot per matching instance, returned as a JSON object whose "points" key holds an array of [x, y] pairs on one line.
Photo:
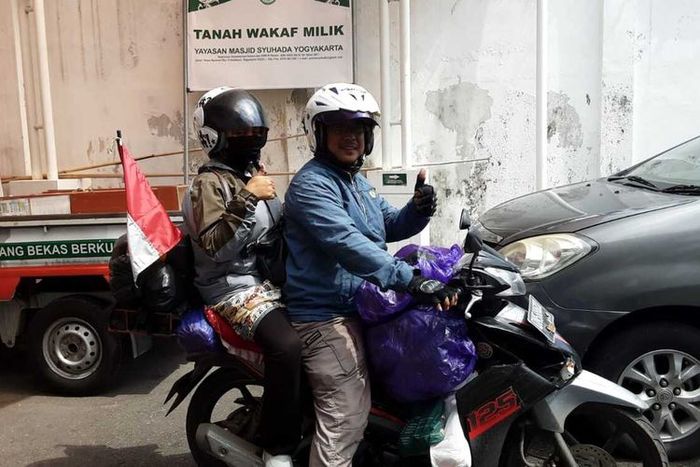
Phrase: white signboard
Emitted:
{"points": [[268, 44]]}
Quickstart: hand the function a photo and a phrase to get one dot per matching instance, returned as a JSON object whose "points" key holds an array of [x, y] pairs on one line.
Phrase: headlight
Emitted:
{"points": [[517, 286], [539, 257], [512, 313], [485, 234]]}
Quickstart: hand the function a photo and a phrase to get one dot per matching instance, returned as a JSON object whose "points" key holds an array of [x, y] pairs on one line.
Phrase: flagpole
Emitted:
{"points": [[120, 149]]}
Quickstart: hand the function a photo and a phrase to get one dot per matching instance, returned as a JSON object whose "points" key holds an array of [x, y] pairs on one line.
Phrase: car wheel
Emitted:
{"points": [[660, 363], [71, 347]]}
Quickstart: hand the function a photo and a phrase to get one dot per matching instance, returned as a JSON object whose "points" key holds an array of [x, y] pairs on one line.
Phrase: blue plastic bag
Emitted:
{"points": [[416, 352], [195, 334]]}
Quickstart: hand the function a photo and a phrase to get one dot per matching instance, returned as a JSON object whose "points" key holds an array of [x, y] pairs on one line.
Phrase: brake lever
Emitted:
{"points": [[475, 298]]}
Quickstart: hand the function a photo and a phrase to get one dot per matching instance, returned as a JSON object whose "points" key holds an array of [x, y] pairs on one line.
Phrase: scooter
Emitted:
{"points": [[531, 403]]}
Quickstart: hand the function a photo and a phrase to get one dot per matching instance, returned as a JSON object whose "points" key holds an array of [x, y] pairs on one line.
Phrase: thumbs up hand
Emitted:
{"points": [[424, 197]]}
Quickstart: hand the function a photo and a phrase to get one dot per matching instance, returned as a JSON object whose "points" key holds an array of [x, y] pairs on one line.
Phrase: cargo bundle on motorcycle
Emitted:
{"points": [[416, 352]]}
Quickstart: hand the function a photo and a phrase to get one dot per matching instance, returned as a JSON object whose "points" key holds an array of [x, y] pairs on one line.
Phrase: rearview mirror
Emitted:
{"points": [[464, 220], [473, 243]]}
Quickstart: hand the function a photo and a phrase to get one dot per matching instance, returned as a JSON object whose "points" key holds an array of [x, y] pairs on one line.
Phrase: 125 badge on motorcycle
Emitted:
{"points": [[492, 413]]}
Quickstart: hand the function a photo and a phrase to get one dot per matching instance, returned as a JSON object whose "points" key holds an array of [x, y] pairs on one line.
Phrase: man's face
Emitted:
{"points": [[346, 141]]}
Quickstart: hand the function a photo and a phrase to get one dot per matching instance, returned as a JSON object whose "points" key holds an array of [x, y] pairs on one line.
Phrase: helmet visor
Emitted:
{"points": [[342, 117], [253, 131]]}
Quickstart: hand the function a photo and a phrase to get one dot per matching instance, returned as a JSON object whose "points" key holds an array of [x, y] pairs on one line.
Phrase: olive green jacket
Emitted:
{"points": [[223, 219]]}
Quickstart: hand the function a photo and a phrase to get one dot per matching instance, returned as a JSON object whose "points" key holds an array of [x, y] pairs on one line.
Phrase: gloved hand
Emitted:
{"points": [[424, 197], [432, 292]]}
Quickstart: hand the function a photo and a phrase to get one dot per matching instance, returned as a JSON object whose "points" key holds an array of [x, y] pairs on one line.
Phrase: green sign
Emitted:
{"points": [[394, 179], [58, 249], [196, 5], [345, 3]]}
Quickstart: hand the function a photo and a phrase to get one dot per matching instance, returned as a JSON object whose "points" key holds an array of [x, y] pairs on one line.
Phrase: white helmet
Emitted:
{"points": [[347, 101]]}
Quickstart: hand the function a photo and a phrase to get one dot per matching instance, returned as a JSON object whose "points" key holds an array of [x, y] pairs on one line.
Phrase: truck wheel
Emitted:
{"points": [[71, 347], [659, 362]]}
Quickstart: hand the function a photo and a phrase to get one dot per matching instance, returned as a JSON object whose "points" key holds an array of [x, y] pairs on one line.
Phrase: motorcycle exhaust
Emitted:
{"points": [[228, 447]]}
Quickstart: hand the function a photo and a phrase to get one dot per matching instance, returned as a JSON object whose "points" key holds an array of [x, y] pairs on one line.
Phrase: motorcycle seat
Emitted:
{"points": [[226, 332]]}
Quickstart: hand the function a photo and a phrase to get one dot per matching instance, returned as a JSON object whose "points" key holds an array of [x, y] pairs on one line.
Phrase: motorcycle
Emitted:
{"points": [[530, 402]]}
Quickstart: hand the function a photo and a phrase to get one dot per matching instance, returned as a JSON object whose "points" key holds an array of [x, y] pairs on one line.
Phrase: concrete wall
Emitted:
{"points": [[622, 87], [117, 64], [667, 73], [11, 161]]}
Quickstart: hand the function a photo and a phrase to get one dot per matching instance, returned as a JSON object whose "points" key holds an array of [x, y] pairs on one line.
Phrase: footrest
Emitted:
{"points": [[123, 320]]}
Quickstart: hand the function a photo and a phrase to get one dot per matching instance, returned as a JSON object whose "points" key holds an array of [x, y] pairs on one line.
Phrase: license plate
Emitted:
{"points": [[541, 319]]}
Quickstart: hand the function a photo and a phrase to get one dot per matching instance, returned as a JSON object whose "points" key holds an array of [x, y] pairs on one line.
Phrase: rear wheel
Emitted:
{"points": [[597, 435], [660, 363], [71, 347], [229, 399]]}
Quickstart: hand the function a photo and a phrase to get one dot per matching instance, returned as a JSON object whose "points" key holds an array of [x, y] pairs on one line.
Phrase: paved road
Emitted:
{"points": [[124, 427]]}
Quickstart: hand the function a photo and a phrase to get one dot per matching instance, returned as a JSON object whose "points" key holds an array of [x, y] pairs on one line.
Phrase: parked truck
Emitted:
{"points": [[55, 299]]}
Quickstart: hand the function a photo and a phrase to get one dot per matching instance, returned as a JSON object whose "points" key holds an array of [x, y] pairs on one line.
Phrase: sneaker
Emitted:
{"points": [[281, 460]]}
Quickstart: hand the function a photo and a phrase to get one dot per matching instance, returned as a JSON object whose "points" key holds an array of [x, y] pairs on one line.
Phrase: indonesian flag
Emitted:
{"points": [[150, 232]]}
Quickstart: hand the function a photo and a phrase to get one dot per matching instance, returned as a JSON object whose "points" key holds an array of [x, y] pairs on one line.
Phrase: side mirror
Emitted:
{"points": [[473, 243], [464, 220]]}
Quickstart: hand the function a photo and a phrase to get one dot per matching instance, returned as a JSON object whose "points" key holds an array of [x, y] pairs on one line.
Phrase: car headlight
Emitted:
{"points": [[539, 257]]}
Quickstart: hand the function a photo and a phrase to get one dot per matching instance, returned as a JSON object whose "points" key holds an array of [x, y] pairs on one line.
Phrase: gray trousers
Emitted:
{"points": [[334, 360]]}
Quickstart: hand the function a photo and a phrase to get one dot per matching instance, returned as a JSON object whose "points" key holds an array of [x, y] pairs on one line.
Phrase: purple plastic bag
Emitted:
{"points": [[433, 262], [416, 352], [421, 354], [195, 334]]}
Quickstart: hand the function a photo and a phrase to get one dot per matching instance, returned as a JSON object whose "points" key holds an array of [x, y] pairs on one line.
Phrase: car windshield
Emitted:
{"points": [[677, 166]]}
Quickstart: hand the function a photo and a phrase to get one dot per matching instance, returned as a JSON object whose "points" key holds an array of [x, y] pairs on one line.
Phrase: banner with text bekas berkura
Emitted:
{"points": [[268, 44]]}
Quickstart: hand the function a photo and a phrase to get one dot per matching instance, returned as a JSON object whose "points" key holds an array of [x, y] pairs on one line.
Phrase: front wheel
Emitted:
{"points": [[595, 434], [660, 363], [230, 399]]}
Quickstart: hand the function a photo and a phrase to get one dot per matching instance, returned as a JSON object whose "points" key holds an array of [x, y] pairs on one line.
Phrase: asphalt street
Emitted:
{"points": [[126, 426]]}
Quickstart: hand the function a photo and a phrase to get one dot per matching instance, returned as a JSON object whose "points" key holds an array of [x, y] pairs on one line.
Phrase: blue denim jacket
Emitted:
{"points": [[337, 226]]}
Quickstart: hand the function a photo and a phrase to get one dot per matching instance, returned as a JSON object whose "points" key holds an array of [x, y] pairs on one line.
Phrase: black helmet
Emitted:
{"points": [[230, 123]]}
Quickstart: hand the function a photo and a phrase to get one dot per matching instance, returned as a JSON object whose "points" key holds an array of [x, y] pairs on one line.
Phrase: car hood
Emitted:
{"points": [[573, 207]]}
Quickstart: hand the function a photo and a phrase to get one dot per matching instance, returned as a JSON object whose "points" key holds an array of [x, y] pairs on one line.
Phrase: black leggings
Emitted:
{"points": [[281, 410]]}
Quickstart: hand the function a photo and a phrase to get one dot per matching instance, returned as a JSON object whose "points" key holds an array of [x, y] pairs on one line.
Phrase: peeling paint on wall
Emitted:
{"points": [[458, 187], [506, 143], [163, 126], [616, 128], [299, 97], [98, 148], [563, 121], [461, 108]]}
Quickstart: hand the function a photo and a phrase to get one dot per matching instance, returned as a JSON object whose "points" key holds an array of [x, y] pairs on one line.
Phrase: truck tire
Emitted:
{"points": [[70, 347]]}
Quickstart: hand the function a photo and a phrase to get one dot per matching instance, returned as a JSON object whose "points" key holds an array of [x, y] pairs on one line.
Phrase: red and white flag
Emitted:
{"points": [[149, 230]]}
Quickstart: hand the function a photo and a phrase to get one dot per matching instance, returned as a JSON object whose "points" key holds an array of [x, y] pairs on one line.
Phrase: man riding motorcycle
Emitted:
{"points": [[336, 230]]}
